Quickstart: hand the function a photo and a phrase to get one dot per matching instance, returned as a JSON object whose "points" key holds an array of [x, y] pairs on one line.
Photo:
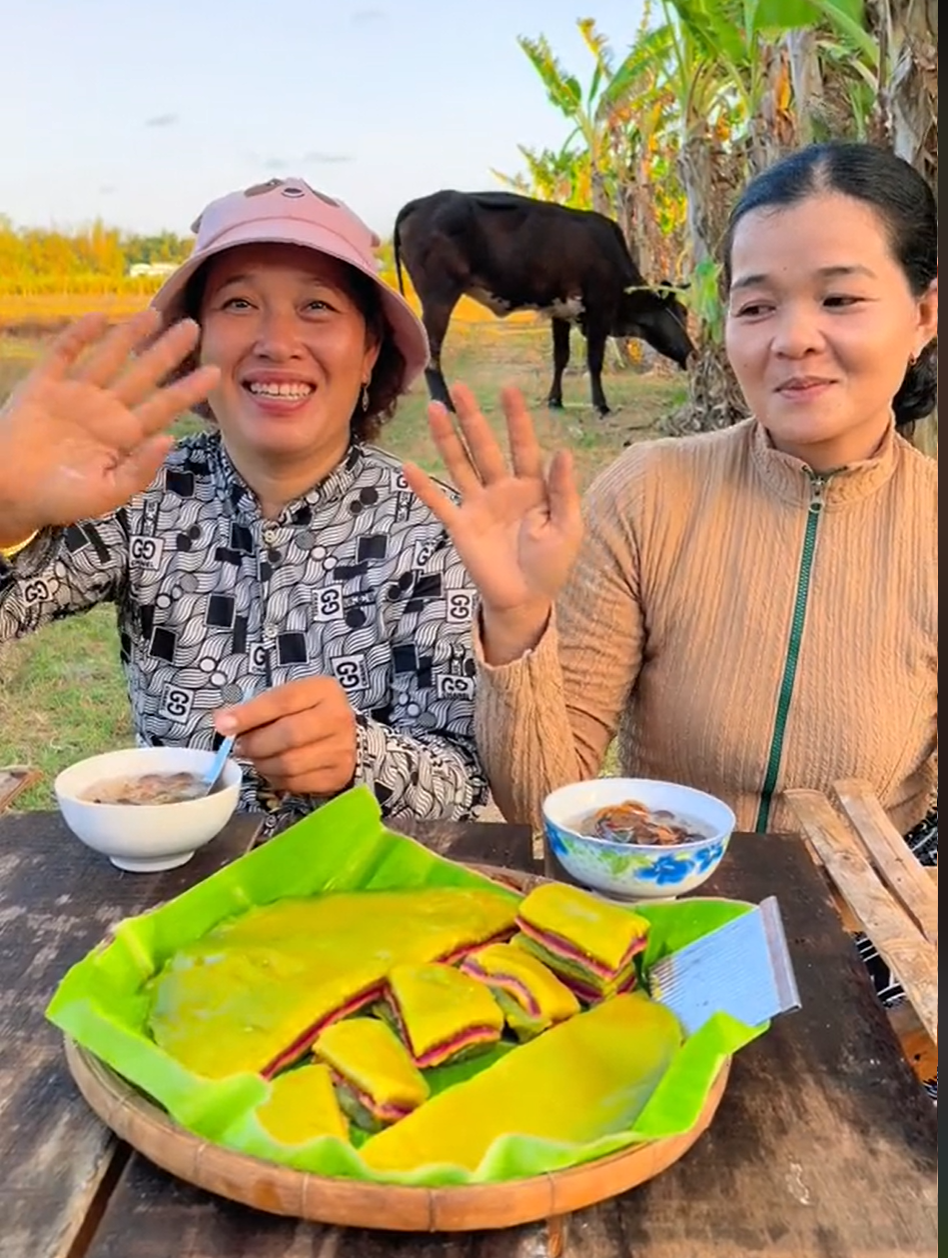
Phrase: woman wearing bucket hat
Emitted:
{"points": [[278, 580]]}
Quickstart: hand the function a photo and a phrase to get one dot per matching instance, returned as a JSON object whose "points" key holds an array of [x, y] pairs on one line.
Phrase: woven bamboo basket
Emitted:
{"points": [[277, 1189]]}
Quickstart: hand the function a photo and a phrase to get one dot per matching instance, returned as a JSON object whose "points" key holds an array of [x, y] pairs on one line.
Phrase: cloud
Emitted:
{"points": [[162, 120], [106, 188], [362, 17], [326, 159], [296, 165]]}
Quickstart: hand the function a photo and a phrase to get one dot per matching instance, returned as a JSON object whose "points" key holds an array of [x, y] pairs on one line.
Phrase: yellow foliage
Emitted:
{"points": [[54, 300], [52, 308], [783, 90]]}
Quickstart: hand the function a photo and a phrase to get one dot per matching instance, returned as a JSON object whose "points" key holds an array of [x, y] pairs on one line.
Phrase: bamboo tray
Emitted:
{"points": [[349, 1203]]}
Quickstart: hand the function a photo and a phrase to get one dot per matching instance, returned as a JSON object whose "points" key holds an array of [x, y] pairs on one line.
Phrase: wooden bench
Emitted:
{"points": [[882, 890]]}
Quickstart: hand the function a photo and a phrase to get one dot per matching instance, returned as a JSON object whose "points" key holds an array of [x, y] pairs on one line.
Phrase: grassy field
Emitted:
{"points": [[62, 694]]}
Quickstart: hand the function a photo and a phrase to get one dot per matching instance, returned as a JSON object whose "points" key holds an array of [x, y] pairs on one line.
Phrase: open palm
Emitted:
{"points": [[517, 529], [86, 436]]}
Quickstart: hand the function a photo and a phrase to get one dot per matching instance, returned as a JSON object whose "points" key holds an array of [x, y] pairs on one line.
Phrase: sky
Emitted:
{"points": [[139, 113]]}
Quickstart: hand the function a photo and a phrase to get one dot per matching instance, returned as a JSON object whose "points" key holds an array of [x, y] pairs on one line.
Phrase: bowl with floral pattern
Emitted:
{"points": [[633, 870]]}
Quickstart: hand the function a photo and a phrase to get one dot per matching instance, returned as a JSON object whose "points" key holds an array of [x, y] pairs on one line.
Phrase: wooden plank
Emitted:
{"points": [[14, 780], [900, 943], [894, 862], [57, 900], [917, 1045], [824, 1144], [846, 915], [915, 1042]]}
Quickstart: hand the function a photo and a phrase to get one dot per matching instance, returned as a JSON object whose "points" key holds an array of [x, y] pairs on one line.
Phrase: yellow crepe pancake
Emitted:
{"points": [[578, 934], [585, 1078], [375, 1067], [530, 994], [302, 1105], [254, 992], [442, 1013]]}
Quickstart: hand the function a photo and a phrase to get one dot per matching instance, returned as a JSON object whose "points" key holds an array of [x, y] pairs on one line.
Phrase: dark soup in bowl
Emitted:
{"points": [[146, 788], [633, 822]]}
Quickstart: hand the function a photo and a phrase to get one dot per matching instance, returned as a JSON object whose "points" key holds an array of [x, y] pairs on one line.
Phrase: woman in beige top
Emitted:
{"points": [[752, 609]]}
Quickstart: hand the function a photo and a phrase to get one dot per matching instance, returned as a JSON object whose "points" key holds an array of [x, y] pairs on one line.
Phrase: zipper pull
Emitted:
{"points": [[817, 486]]}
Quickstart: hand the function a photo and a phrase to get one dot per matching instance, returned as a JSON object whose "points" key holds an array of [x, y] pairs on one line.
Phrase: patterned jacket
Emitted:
{"points": [[356, 579]]}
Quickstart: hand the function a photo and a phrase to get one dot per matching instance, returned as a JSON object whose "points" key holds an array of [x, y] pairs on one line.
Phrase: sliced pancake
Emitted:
{"points": [[441, 1013], [588, 986], [585, 941], [585, 1078], [376, 1081], [531, 996], [302, 1105], [253, 994]]}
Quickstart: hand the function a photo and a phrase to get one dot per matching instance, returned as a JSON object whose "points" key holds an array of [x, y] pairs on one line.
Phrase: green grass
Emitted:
{"points": [[62, 694]]}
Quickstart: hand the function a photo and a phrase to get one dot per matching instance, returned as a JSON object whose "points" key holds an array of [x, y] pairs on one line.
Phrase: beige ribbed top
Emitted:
{"points": [[677, 631]]}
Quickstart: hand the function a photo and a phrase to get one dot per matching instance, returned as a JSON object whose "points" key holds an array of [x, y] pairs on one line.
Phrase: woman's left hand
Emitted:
{"points": [[300, 737]]}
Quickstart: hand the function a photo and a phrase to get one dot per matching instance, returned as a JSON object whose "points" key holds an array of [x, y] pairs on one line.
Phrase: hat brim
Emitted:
{"points": [[406, 328]]}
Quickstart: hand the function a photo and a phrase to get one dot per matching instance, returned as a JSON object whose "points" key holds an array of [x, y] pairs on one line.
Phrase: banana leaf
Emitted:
{"points": [[102, 1002]]}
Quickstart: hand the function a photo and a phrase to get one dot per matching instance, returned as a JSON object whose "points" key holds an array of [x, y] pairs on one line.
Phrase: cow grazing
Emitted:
{"points": [[510, 252]]}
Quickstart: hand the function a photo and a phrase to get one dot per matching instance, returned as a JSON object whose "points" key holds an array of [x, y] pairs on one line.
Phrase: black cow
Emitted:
{"points": [[510, 252]]}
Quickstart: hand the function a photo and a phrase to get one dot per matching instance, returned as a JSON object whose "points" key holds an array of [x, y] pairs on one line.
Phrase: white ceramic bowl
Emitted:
{"points": [[146, 838], [630, 871]]}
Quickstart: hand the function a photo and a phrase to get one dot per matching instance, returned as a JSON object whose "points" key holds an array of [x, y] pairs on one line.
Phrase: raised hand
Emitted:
{"points": [[518, 529], [78, 439]]}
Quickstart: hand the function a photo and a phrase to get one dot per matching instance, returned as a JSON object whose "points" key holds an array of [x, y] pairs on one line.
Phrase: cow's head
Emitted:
{"points": [[658, 316]]}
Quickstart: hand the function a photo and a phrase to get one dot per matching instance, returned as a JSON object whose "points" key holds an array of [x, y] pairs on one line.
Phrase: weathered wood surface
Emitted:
{"points": [[57, 900], [894, 862], [912, 959], [824, 1145]]}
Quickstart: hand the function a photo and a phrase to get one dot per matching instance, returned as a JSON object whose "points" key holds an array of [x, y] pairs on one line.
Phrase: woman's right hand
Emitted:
{"points": [[517, 531], [79, 438]]}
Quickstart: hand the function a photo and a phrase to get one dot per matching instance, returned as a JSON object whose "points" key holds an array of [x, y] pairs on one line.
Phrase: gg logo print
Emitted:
{"points": [[327, 603], [147, 551], [350, 672], [176, 703], [37, 591], [451, 686], [460, 608]]}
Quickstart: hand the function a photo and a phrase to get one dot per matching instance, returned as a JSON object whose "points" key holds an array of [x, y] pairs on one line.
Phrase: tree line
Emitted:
{"points": [[93, 259]]}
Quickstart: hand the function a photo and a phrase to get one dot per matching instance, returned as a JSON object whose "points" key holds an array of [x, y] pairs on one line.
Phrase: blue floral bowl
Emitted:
{"points": [[631, 871]]}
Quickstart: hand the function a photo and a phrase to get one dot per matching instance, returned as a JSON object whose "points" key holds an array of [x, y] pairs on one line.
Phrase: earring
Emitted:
{"points": [[365, 396]]}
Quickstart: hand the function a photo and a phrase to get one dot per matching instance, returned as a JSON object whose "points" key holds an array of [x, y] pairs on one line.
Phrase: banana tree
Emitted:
{"points": [[561, 176], [640, 113], [617, 121], [907, 35], [759, 70], [907, 31], [885, 55], [620, 123], [580, 108]]}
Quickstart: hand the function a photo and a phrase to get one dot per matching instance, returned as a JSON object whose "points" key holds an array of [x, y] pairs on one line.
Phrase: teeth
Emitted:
{"points": [[281, 389]]}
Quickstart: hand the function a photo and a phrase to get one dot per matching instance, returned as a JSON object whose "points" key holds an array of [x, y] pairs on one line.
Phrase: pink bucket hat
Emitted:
{"points": [[289, 211]]}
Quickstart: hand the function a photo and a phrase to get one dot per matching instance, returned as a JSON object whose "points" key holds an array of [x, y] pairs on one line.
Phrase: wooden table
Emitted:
{"points": [[824, 1145]]}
